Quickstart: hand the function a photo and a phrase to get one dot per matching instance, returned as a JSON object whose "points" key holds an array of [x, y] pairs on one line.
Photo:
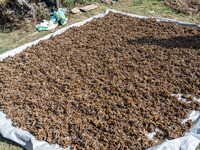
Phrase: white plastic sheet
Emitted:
{"points": [[22, 137], [189, 142]]}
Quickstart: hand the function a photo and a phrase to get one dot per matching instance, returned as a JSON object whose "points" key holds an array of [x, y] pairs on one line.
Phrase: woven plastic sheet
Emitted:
{"points": [[189, 142]]}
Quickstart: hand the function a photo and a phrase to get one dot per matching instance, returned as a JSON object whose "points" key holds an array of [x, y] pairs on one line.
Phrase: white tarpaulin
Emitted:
{"points": [[189, 142]]}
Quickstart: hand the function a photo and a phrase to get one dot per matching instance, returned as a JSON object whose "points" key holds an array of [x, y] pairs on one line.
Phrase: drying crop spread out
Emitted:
{"points": [[105, 84]]}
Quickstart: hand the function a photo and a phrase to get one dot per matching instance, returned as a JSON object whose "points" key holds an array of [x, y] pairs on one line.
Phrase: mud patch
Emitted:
{"points": [[105, 84]]}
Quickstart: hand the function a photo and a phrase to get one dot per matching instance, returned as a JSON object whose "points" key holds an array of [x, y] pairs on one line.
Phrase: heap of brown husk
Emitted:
{"points": [[185, 6], [105, 84]]}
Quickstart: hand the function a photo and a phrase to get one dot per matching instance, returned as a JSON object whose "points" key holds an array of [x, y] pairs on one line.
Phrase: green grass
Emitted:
{"points": [[27, 34]]}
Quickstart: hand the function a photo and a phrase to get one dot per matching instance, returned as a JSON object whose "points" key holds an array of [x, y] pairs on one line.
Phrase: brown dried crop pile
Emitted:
{"points": [[185, 6], [105, 84]]}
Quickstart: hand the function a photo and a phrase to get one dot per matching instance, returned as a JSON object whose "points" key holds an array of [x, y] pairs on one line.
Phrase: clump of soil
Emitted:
{"points": [[105, 84], [185, 6]]}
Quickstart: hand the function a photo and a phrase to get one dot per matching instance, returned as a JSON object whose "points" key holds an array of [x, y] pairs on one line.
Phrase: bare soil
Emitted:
{"points": [[185, 6], [105, 84]]}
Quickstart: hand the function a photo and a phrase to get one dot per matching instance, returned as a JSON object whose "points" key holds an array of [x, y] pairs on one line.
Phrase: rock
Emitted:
{"points": [[88, 7], [106, 1], [75, 10]]}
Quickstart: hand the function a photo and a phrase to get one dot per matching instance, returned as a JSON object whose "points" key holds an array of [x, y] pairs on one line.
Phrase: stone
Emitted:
{"points": [[88, 7], [75, 10]]}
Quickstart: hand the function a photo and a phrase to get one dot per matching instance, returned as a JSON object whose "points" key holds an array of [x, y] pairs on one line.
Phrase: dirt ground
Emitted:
{"points": [[115, 75], [185, 6]]}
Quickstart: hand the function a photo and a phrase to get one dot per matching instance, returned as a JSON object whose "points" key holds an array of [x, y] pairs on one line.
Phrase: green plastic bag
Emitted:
{"points": [[59, 16]]}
